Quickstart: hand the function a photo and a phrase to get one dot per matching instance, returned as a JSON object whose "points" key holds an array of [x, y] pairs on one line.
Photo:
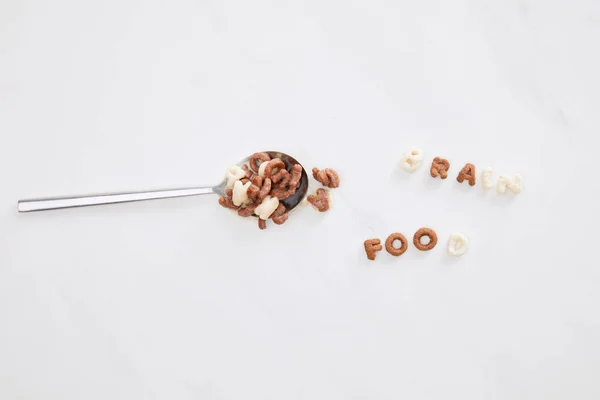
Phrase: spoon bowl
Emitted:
{"points": [[291, 202], [54, 203]]}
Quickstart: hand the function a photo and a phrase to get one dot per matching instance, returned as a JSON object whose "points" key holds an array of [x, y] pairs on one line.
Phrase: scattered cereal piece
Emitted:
{"points": [[233, 174], [320, 200], [457, 244], [430, 233], [372, 246], [486, 178], [439, 166], [262, 224], [411, 160], [327, 177], [389, 244], [240, 193], [467, 173], [255, 158], [513, 184], [267, 207]]}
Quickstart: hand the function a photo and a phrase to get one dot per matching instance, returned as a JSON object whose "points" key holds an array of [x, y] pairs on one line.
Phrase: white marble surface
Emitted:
{"points": [[178, 299]]}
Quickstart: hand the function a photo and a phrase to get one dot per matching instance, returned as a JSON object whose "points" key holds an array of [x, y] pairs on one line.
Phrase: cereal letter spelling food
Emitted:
{"points": [[372, 246], [457, 244], [389, 244], [467, 173], [328, 177], [439, 166], [430, 233]]}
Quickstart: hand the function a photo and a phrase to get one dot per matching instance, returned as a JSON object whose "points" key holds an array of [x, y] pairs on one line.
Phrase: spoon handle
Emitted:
{"points": [[53, 203]]}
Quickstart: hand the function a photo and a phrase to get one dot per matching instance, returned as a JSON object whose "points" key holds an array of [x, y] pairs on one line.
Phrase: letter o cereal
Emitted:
{"points": [[389, 244], [430, 233]]}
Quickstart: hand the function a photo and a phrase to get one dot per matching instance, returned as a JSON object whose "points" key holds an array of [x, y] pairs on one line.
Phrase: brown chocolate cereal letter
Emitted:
{"points": [[265, 190], [439, 166], [280, 215], [254, 189], [253, 192], [227, 200], [262, 224], [247, 211], [227, 203], [273, 167], [320, 200], [468, 173], [389, 244], [282, 192], [255, 158], [248, 172], [281, 219], [257, 180], [295, 176], [430, 233], [282, 176], [328, 177], [372, 246]]}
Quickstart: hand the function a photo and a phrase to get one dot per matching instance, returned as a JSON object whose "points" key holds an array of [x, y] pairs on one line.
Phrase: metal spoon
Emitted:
{"points": [[53, 203]]}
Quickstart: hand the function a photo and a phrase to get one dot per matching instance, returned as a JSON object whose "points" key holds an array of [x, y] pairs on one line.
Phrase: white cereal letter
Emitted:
{"points": [[486, 178], [458, 244], [233, 174], [267, 207], [240, 195], [411, 160], [514, 184]]}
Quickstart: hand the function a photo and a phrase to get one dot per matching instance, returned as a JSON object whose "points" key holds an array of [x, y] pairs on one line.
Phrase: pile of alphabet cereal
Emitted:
{"points": [[261, 187]]}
